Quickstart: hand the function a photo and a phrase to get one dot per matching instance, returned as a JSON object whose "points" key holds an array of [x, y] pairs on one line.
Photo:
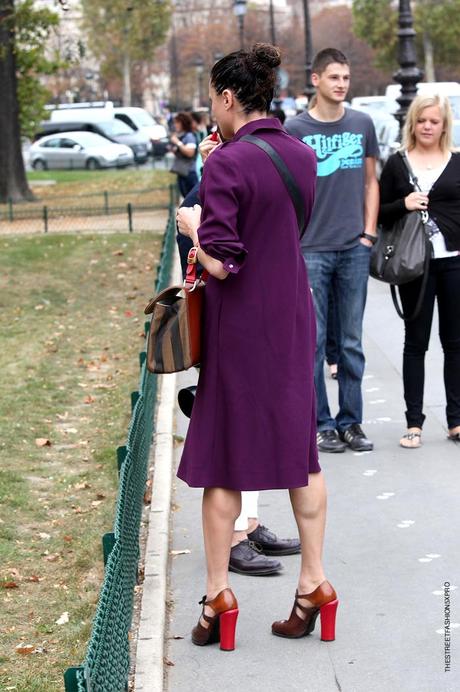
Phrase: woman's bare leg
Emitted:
{"points": [[309, 504], [221, 507]]}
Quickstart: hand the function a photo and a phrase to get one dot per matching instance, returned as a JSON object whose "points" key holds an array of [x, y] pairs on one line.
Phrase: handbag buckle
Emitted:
{"points": [[192, 257]]}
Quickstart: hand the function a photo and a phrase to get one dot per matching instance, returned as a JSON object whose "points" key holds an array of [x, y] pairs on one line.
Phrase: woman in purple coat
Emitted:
{"points": [[253, 421]]}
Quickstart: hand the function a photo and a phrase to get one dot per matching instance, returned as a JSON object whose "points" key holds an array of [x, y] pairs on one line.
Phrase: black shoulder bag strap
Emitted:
{"points": [[287, 177], [413, 179]]}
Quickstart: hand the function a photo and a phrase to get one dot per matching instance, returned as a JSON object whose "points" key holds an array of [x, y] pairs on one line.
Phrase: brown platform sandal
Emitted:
{"points": [[323, 602], [221, 625]]}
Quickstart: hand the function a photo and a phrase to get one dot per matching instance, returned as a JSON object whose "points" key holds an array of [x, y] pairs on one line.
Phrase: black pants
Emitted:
{"points": [[443, 284]]}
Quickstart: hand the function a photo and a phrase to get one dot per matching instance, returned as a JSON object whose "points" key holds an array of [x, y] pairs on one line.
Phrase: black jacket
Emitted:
{"points": [[443, 199]]}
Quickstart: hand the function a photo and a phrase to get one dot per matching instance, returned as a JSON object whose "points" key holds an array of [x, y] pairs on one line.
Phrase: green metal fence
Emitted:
{"points": [[106, 666]]}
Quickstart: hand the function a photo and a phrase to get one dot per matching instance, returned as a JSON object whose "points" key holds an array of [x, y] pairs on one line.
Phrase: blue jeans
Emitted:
{"points": [[349, 270]]}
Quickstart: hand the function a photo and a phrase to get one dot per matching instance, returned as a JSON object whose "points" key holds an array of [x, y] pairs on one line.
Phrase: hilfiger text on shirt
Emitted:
{"points": [[344, 151]]}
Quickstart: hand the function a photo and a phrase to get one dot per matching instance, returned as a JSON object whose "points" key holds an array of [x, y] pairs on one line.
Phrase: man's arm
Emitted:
{"points": [[371, 200]]}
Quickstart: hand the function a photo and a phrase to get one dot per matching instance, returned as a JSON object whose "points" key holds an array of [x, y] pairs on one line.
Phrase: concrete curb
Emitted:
{"points": [[150, 645]]}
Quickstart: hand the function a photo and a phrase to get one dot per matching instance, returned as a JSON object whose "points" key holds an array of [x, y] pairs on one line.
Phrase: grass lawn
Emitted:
{"points": [[71, 319], [86, 182]]}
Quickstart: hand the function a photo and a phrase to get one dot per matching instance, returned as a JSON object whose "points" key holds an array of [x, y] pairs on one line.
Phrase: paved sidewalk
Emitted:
{"points": [[391, 543]]}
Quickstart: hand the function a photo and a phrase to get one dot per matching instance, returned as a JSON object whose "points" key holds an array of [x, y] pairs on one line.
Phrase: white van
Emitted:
{"points": [[449, 89], [141, 120]]}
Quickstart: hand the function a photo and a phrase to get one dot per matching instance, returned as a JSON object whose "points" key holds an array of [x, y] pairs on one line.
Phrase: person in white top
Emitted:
{"points": [[427, 143]]}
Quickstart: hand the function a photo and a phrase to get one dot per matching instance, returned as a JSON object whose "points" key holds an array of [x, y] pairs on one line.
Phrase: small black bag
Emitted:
{"points": [[403, 253]]}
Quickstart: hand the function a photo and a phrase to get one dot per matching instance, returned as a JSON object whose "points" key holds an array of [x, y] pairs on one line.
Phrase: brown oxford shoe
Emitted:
{"points": [[323, 601], [221, 626]]}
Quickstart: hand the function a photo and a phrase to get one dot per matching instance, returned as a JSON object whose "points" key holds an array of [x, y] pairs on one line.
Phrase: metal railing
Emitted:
{"points": [[106, 210], [106, 666]]}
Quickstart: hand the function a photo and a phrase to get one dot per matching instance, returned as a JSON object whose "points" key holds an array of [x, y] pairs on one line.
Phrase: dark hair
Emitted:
{"points": [[251, 75], [185, 120], [278, 113], [327, 57]]}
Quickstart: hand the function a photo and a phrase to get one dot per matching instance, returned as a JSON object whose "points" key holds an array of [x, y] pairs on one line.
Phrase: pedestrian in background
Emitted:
{"points": [[339, 238], [253, 423], [185, 148], [427, 144]]}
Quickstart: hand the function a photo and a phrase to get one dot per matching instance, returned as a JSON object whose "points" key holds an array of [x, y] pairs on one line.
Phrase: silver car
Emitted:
{"points": [[78, 150]]}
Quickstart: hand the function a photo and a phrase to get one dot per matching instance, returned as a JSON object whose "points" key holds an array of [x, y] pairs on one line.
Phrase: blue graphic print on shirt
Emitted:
{"points": [[344, 150]]}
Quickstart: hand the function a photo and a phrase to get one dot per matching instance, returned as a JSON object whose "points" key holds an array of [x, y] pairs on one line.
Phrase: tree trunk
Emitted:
{"points": [[126, 80], [13, 181], [430, 74]]}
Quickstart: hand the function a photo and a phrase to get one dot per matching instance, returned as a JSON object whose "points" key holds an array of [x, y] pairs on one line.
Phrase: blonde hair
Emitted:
{"points": [[417, 106]]}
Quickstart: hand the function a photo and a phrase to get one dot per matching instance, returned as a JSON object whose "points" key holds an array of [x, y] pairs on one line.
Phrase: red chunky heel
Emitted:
{"points": [[322, 601], [221, 625], [327, 614], [227, 629]]}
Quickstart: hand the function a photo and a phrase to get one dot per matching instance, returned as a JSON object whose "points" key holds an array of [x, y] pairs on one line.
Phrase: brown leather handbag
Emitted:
{"points": [[174, 342]]}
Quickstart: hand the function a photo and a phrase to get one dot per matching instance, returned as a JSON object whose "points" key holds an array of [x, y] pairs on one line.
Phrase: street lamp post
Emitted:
{"points": [[239, 9], [309, 88], [409, 74]]}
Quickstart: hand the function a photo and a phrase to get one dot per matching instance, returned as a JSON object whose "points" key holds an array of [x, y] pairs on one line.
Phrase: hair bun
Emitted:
{"points": [[267, 54]]}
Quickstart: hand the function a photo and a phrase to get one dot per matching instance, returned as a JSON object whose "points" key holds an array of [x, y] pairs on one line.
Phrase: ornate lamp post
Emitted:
{"points": [[409, 74], [309, 88], [239, 9]]}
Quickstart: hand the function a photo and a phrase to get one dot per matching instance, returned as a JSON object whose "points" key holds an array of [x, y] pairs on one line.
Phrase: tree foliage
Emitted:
{"points": [[32, 27], [116, 28], [376, 22]]}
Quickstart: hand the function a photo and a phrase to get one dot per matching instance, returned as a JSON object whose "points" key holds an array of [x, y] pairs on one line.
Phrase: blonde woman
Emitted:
{"points": [[427, 143]]}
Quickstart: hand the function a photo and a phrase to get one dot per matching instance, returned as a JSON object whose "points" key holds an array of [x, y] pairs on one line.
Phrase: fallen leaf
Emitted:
{"points": [[42, 442], [25, 648], [96, 503], [89, 399], [181, 552], [148, 493], [176, 636], [118, 252], [64, 619], [10, 585], [82, 486], [100, 496], [128, 313], [52, 558], [167, 662], [33, 578]]}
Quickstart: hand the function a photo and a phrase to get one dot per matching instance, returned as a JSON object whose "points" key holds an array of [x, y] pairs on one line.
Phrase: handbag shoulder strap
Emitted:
{"points": [[287, 177], [412, 177]]}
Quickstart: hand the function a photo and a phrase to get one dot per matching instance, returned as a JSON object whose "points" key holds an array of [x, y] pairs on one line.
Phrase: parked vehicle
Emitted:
{"points": [[78, 150], [380, 104], [141, 121]]}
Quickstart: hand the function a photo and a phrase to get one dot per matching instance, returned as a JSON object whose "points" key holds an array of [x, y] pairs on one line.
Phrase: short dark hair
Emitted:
{"points": [[251, 75], [185, 120], [326, 57]]}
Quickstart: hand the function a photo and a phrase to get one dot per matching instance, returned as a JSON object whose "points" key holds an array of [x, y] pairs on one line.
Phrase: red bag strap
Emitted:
{"points": [[191, 274]]}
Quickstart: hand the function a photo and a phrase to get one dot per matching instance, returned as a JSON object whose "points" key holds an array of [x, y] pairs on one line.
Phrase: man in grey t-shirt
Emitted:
{"points": [[337, 244]]}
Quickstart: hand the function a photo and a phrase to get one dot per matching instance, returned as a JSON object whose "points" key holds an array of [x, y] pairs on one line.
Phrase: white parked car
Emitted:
{"points": [[78, 150]]}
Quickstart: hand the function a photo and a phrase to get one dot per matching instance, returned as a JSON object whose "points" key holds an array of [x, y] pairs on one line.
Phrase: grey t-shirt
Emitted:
{"points": [[341, 146]]}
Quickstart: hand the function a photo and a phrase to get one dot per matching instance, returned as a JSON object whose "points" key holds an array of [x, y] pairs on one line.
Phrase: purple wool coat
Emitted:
{"points": [[253, 425]]}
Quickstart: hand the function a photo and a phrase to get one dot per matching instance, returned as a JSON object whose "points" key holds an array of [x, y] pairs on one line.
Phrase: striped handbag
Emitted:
{"points": [[174, 342]]}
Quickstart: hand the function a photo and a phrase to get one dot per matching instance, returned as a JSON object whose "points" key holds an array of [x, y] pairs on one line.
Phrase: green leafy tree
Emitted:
{"points": [[435, 21], [121, 32], [33, 27], [23, 33]]}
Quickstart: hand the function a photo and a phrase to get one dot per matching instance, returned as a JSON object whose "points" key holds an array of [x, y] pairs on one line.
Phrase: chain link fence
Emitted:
{"points": [[133, 210], [106, 665]]}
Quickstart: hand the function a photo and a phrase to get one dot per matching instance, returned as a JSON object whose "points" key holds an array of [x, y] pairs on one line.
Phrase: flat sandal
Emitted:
{"points": [[411, 436]]}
